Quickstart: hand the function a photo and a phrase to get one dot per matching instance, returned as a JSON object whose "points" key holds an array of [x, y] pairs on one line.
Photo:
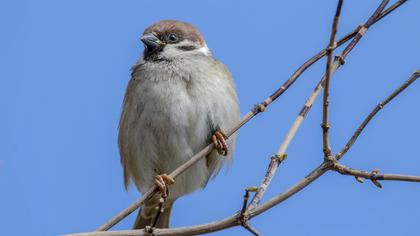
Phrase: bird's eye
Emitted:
{"points": [[172, 38]]}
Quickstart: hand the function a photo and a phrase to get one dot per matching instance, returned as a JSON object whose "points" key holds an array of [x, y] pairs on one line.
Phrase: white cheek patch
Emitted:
{"points": [[174, 50], [205, 50]]}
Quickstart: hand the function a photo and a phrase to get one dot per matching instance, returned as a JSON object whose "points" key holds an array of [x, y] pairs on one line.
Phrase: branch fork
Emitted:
{"points": [[243, 217]]}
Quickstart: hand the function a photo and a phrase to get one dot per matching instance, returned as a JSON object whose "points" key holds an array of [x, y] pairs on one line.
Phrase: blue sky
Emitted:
{"points": [[65, 66]]}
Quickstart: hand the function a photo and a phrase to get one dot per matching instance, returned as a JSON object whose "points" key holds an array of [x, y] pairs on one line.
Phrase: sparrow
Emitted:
{"points": [[178, 101]]}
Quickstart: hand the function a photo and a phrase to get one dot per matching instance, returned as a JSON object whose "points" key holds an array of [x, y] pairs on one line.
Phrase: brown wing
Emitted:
{"points": [[124, 129]]}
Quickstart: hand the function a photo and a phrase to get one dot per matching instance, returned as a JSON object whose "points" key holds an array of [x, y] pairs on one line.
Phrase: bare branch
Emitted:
{"points": [[244, 220], [326, 165], [251, 229], [364, 28], [274, 163], [381, 105], [281, 154], [332, 44], [373, 175], [181, 231], [315, 174], [232, 221]]}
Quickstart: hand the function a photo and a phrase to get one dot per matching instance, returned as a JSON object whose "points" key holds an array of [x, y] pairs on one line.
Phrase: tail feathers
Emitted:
{"points": [[148, 213]]}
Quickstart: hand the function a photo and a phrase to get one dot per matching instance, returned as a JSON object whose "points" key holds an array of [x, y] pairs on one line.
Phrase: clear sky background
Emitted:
{"points": [[65, 66]]}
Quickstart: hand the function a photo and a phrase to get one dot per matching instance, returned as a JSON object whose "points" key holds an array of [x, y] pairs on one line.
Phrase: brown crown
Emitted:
{"points": [[181, 29]]}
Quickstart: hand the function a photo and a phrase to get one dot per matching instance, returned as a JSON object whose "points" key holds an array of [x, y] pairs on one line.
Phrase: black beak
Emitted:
{"points": [[151, 41]]}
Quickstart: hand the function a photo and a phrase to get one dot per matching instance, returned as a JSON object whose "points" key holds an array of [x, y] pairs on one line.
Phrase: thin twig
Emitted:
{"points": [[281, 153], [245, 202], [328, 165], [243, 220], [338, 61], [259, 108], [325, 123], [220, 224], [376, 15], [251, 229], [275, 161], [235, 219], [246, 198], [373, 175], [381, 105], [315, 174]]}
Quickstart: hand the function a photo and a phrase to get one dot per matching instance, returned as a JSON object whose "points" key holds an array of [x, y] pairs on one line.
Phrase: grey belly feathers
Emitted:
{"points": [[170, 115]]}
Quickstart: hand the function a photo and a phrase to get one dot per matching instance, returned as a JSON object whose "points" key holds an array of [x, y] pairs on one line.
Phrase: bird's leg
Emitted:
{"points": [[162, 182], [219, 141]]}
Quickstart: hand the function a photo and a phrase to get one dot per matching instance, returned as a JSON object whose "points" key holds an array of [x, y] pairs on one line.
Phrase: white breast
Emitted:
{"points": [[167, 113]]}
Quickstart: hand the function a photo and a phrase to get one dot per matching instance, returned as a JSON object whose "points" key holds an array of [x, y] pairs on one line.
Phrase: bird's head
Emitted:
{"points": [[168, 39]]}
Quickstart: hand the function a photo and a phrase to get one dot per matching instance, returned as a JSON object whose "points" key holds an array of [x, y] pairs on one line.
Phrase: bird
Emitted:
{"points": [[179, 99]]}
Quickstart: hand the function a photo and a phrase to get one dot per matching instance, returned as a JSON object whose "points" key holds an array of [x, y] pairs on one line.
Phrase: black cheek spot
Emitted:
{"points": [[186, 47]]}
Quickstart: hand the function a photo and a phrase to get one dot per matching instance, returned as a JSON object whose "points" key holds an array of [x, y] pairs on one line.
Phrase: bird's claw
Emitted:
{"points": [[219, 142], [162, 182]]}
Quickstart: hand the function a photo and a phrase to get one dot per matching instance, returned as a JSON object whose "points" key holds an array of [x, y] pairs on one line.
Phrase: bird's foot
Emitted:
{"points": [[162, 182], [219, 141]]}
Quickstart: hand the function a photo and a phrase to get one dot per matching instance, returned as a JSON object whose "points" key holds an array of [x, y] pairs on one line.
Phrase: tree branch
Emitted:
{"points": [[325, 124], [234, 220], [237, 218], [324, 167], [381, 105], [281, 154], [373, 175], [228, 222]]}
